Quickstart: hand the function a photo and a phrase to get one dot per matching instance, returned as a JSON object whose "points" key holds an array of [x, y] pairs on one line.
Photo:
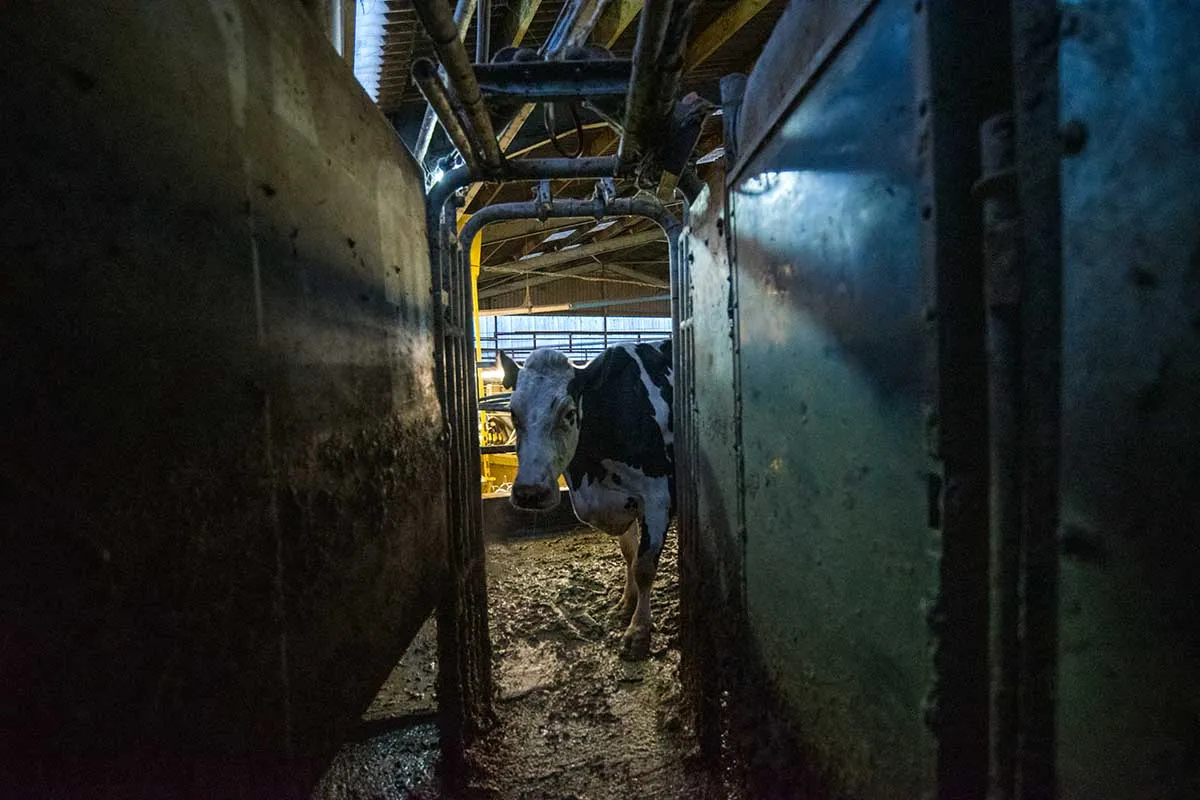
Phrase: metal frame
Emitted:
{"points": [[547, 81]]}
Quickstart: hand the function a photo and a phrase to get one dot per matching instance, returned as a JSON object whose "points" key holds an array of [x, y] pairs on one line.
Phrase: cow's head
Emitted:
{"points": [[547, 410]]}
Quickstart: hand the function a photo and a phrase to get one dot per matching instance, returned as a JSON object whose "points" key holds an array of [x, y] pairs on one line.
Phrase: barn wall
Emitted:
{"points": [[1129, 648], [221, 488]]}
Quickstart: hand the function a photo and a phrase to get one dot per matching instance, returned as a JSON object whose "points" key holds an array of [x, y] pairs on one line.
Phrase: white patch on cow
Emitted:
{"points": [[662, 410], [605, 504], [543, 411]]}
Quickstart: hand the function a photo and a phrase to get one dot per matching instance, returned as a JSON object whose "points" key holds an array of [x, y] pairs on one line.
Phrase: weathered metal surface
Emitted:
{"points": [[805, 38], [841, 560], [554, 80], [425, 74], [442, 28], [221, 504], [1035, 110], [951, 105], [1129, 650]]}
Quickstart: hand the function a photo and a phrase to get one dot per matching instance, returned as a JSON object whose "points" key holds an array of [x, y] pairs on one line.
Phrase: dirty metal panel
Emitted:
{"points": [[714, 415], [220, 474], [1129, 649], [840, 505]]}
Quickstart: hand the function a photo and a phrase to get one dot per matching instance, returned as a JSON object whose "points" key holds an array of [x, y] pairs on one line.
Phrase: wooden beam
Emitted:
{"points": [[617, 16], [629, 272], [560, 257], [534, 280], [516, 22], [721, 31]]}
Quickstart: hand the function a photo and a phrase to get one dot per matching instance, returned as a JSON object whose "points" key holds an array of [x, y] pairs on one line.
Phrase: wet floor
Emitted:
{"points": [[574, 719]]}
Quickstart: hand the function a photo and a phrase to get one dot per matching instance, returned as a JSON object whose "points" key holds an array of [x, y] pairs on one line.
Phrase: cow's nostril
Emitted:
{"points": [[529, 495]]}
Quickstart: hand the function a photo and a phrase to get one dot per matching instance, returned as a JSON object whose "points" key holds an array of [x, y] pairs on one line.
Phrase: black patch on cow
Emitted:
{"points": [[618, 419]]}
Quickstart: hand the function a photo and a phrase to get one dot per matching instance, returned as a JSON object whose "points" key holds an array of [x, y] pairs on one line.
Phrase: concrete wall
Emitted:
{"points": [[221, 485]]}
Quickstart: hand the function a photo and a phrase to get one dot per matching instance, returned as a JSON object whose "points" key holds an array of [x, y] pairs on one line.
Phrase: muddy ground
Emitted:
{"points": [[575, 721]]}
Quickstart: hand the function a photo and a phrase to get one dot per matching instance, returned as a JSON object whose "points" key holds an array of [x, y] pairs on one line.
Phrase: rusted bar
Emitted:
{"points": [[434, 91]]}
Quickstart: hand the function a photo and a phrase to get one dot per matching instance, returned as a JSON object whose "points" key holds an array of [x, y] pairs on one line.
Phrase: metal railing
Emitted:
{"points": [[579, 346]]}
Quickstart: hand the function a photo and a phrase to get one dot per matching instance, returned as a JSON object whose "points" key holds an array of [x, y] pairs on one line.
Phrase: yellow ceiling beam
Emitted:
{"points": [[721, 31]]}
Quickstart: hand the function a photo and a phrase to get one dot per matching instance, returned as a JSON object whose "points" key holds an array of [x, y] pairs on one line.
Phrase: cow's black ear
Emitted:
{"points": [[510, 369]]}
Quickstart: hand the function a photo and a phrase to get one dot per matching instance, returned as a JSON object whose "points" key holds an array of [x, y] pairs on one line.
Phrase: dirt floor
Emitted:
{"points": [[575, 720]]}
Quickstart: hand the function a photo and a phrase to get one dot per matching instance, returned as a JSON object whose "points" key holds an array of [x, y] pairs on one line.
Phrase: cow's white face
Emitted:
{"points": [[547, 419]]}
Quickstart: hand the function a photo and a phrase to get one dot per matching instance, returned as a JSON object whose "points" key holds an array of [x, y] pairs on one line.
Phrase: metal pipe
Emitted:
{"points": [[462, 18], [640, 101], [434, 91], [621, 207], [439, 24], [525, 169], [669, 67], [483, 32], [997, 188]]}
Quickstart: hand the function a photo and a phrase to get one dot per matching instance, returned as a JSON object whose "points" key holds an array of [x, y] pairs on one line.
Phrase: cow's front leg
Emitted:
{"points": [[629, 598], [635, 644]]}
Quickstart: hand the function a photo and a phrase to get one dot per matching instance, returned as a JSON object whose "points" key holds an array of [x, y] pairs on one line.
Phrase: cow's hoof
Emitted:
{"points": [[635, 646]]}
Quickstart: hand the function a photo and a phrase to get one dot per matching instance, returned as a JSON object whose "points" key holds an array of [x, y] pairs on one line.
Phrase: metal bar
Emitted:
{"points": [[483, 32], [640, 100], [621, 207], [1004, 391], [669, 69], [555, 80], [512, 130], [462, 18], [1035, 28], [434, 91], [440, 25], [567, 17]]}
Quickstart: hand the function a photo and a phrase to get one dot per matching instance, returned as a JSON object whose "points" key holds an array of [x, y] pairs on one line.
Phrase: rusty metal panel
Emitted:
{"points": [[841, 493], [1129, 648]]}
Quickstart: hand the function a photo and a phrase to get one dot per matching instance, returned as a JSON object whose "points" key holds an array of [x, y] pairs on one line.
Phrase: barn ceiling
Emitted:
{"points": [[727, 37]]}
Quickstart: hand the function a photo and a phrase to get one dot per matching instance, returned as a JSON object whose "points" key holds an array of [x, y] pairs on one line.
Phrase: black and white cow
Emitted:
{"points": [[607, 428]]}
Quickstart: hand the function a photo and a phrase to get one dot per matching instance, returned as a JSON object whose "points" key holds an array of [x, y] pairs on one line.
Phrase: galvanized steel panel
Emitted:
{"points": [[840, 558], [1129, 650]]}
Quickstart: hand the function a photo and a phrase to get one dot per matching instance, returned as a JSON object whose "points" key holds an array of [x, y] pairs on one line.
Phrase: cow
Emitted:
{"points": [[606, 427]]}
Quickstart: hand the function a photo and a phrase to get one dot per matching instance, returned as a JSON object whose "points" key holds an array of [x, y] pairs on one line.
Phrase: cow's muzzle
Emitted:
{"points": [[534, 496]]}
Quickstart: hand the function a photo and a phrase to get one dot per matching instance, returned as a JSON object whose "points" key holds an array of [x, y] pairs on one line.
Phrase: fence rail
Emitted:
{"points": [[579, 346]]}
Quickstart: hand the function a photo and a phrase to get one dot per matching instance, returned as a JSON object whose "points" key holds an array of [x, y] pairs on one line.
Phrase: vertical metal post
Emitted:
{"points": [[483, 32], [1035, 25], [997, 187]]}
